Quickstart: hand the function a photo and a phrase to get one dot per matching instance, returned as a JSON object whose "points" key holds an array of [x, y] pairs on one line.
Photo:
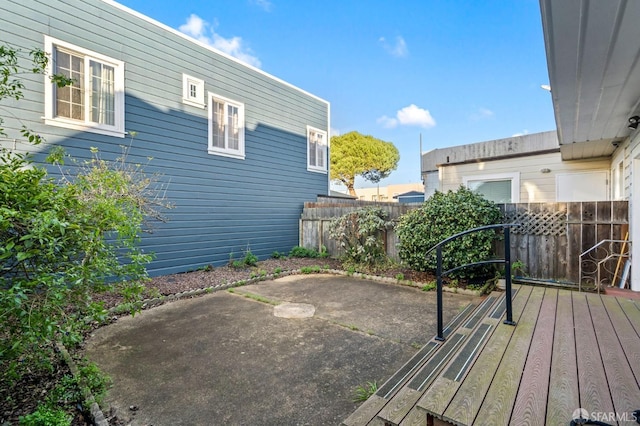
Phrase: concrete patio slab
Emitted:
{"points": [[227, 359]]}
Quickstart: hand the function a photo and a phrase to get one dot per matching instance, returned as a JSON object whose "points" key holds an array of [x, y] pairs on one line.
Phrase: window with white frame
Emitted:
{"points": [[499, 188], [94, 101], [193, 91], [226, 127], [316, 150]]}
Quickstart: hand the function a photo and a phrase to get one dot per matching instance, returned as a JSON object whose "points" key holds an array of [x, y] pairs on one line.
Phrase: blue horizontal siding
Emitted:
{"points": [[221, 205]]}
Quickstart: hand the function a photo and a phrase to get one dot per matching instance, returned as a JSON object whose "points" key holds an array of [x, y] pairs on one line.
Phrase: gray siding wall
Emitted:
{"points": [[222, 205]]}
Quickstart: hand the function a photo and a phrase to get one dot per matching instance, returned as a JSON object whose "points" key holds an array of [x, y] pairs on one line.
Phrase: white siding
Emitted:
{"points": [[535, 186]]}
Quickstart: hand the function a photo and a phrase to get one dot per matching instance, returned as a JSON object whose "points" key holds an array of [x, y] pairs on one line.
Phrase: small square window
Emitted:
{"points": [[193, 91]]}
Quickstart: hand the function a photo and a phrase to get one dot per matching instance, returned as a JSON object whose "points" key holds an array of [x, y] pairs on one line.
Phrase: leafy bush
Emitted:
{"points": [[63, 241], [298, 251], [45, 416], [441, 216], [249, 259], [361, 234]]}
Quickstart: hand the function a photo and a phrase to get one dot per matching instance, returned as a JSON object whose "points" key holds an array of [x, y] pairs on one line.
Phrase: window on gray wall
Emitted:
{"points": [[94, 101], [226, 127], [316, 150]]}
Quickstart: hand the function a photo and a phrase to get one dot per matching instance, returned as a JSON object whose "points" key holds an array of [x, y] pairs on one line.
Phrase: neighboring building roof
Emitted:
{"points": [[592, 54], [536, 143], [338, 194], [409, 194]]}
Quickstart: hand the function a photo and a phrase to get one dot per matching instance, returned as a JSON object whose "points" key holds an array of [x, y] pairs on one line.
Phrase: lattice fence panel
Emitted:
{"points": [[548, 223]]}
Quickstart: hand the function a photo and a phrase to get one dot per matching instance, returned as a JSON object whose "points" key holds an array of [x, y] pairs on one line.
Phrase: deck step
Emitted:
{"points": [[406, 386], [370, 408], [401, 409]]}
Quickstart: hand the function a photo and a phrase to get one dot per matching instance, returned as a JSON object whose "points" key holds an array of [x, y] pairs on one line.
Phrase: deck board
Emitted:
{"points": [[622, 384], [632, 311], [498, 404], [468, 399], [406, 399], [592, 382], [531, 403], [563, 396], [440, 393], [569, 350], [629, 339]]}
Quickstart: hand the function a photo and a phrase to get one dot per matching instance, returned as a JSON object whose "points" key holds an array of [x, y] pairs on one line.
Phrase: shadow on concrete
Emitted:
{"points": [[225, 358]]}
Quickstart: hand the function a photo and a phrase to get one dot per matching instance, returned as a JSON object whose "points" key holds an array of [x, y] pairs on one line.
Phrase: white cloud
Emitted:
{"points": [[387, 122], [411, 115], [264, 4], [204, 32], [398, 49], [482, 114], [414, 116], [524, 132]]}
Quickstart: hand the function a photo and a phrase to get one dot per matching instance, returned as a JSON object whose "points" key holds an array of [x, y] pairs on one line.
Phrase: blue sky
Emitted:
{"points": [[454, 71]]}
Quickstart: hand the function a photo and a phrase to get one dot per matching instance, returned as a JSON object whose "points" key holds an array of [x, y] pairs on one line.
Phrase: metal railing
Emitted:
{"points": [[507, 270], [597, 258]]}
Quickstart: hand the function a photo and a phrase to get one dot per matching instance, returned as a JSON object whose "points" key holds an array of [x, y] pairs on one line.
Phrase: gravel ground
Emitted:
{"points": [[213, 277]]}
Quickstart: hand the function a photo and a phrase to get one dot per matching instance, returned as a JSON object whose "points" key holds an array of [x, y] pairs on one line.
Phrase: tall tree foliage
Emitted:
{"points": [[61, 242], [354, 154]]}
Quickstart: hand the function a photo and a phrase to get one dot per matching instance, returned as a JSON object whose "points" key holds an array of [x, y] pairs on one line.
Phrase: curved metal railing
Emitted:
{"points": [[507, 269]]}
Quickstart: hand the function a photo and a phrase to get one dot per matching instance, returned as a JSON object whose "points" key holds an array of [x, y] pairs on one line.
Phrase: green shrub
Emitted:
{"points": [[64, 240], [45, 416], [298, 251], [250, 259], [361, 234], [441, 216], [310, 269]]}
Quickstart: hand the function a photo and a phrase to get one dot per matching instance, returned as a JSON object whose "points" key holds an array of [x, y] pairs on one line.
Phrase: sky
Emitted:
{"points": [[448, 72]]}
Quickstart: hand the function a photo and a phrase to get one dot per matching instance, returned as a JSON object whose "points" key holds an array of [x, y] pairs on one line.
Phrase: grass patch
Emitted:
{"points": [[310, 269], [430, 286], [256, 297], [363, 392]]}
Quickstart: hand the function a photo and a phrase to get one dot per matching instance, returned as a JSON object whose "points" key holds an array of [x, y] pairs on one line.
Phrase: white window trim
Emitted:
{"points": [[118, 128], [513, 177], [617, 181], [232, 153], [313, 168], [197, 101]]}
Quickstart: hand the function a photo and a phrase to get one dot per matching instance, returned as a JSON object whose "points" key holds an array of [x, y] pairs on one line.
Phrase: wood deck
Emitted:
{"points": [[569, 350]]}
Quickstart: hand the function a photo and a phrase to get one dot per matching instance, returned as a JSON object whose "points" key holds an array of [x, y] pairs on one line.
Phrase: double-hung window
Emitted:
{"points": [[94, 101], [226, 127], [316, 150]]}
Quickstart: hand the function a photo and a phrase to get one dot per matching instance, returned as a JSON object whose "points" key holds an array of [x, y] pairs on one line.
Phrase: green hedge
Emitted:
{"points": [[441, 216]]}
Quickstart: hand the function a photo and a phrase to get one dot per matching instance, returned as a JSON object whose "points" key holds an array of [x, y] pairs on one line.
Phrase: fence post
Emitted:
{"points": [[440, 336], [507, 272]]}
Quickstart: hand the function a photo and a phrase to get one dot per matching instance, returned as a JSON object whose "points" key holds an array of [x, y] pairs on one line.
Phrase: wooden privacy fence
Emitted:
{"points": [[316, 217], [550, 240]]}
